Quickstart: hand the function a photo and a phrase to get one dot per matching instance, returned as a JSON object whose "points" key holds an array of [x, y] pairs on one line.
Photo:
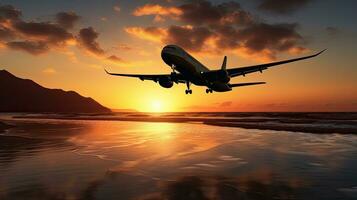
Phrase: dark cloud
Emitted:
{"points": [[205, 13], [31, 47], [227, 37], [8, 12], [190, 38], [87, 38], [273, 37], [32, 37], [256, 38], [282, 7], [209, 27], [45, 31], [41, 37], [67, 19]]}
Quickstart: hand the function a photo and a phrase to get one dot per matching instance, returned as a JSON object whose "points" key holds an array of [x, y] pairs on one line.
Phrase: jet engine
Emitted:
{"points": [[166, 82], [223, 76]]}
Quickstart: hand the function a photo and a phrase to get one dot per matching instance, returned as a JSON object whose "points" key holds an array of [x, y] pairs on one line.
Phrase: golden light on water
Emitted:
{"points": [[159, 131]]}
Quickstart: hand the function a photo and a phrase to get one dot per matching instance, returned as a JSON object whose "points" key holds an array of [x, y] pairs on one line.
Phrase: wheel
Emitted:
{"points": [[190, 91], [207, 91], [186, 91]]}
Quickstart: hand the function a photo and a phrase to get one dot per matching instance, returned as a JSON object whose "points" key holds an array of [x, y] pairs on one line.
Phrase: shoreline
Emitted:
{"points": [[287, 127], [306, 125]]}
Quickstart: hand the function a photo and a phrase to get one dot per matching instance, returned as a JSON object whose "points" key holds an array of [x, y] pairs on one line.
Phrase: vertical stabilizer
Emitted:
{"points": [[224, 63]]}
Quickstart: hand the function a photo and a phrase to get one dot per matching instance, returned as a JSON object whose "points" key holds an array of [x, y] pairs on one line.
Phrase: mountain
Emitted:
{"points": [[23, 95]]}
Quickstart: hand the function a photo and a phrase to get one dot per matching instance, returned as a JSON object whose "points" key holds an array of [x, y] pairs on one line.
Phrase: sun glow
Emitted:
{"points": [[156, 106]]}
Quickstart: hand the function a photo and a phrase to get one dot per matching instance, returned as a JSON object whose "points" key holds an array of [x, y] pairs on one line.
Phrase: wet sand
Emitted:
{"points": [[112, 159]]}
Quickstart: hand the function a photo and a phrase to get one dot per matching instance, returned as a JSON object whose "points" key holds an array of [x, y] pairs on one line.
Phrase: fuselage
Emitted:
{"points": [[184, 63], [174, 56]]}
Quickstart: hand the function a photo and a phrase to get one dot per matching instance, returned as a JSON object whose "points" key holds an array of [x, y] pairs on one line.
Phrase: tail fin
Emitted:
{"points": [[224, 63]]}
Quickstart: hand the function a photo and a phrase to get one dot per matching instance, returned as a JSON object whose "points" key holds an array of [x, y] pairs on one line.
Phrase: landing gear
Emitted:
{"points": [[188, 91], [173, 67], [209, 90]]}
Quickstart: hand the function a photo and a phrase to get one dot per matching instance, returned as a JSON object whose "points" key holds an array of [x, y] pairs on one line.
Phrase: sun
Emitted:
{"points": [[156, 106]]}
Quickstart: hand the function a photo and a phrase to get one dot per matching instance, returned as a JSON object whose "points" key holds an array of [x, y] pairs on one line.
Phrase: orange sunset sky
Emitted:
{"points": [[66, 44]]}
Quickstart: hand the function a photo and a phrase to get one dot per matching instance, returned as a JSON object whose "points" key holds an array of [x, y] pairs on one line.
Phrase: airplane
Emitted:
{"points": [[186, 69]]}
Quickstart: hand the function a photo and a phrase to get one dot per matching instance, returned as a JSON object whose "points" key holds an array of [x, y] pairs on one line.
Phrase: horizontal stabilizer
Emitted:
{"points": [[245, 84]]}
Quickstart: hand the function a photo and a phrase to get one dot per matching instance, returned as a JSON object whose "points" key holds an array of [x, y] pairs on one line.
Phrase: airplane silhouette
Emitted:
{"points": [[186, 69]]}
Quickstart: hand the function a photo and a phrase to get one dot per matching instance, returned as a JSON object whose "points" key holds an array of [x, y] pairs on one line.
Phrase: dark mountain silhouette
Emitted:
{"points": [[23, 95]]}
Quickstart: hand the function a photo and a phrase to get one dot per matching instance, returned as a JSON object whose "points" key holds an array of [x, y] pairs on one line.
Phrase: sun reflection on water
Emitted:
{"points": [[160, 131], [146, 156]]}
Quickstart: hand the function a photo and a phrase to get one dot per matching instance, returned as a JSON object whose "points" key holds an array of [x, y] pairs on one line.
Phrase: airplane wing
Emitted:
{"points": [[245, 84], [259, 68], [153, 77]]}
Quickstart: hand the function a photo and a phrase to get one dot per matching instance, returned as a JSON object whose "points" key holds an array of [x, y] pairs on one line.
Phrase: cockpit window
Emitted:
{"points": [[173, 48]]}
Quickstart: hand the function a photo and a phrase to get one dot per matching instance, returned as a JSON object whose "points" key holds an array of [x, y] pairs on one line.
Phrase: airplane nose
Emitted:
{"points": [[166, 57], [166, 51]]}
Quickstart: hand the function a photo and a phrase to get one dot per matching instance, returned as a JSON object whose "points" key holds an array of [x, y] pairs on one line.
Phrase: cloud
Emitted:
{"points": [[87, 39], [155, 34], [156, 9], [114, 58], [6, 34], [192, 38], [213, 28], [271, 37], [31, 37], [8, 12], [198, 13], [43, 31], [261, 41], [205, 13], [41, 37], [282, 7], [67, 19], [32, 47], [12, 26], [34, 37]]}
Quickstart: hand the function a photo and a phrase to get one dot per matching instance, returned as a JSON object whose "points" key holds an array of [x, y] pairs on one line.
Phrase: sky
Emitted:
{"points": [[66, 44]]}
